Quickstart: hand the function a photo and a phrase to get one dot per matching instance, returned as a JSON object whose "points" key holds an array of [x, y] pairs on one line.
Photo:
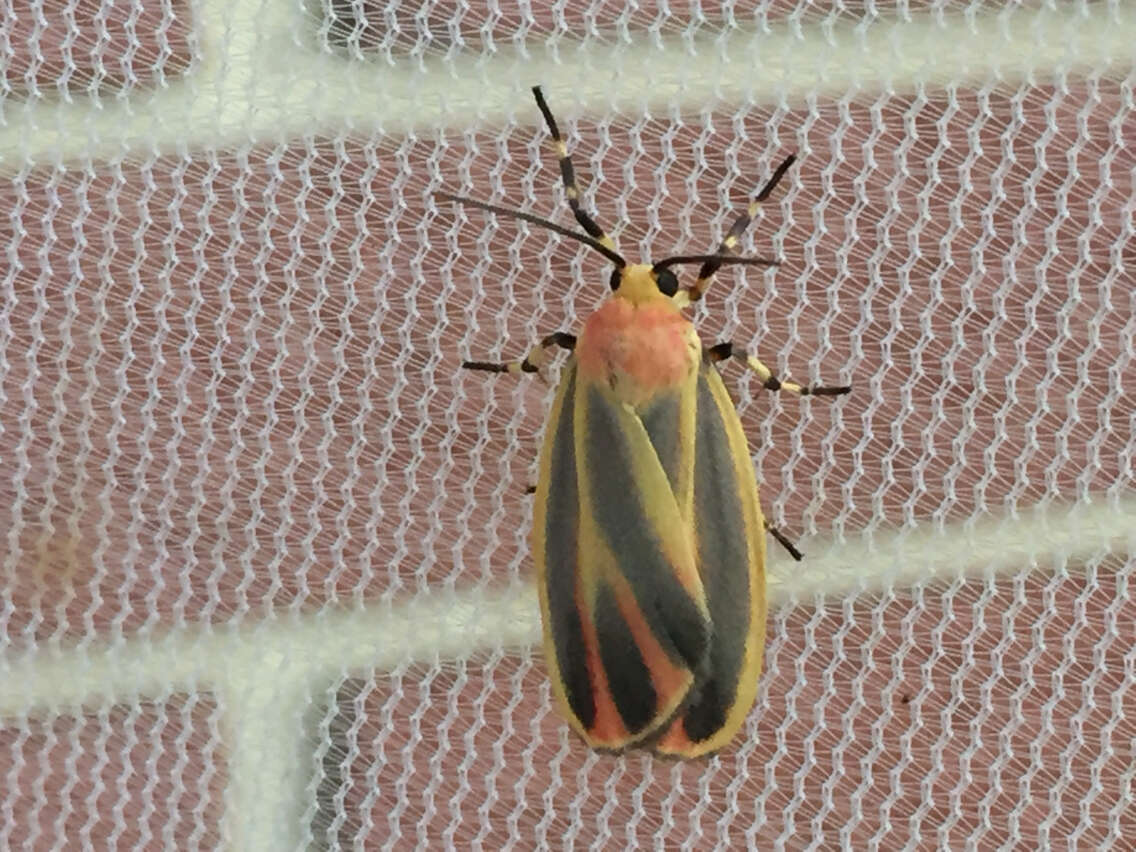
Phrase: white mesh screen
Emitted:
{"points": [[265, 572]]}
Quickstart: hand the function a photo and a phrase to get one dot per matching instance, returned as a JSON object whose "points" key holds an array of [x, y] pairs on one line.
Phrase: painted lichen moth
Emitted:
{"points": [[648, 535]]}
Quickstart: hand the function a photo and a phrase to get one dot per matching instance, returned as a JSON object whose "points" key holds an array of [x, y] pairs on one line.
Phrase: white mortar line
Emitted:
{"points": [[262, 76], [276, 669], [1040, 537]]}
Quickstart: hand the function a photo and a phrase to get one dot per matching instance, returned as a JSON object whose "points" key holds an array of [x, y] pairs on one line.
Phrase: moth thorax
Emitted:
{"points": [[638, 351]]}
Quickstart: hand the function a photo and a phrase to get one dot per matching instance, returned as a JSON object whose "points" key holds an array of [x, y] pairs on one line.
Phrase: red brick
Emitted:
{"points": [[86, 46], [445, 26], [364, 26], [142, 776]]}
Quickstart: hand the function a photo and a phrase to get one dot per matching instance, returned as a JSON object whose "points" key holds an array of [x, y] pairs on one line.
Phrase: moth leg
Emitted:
{"points": [[532, 362], [568, 174], [783, 541], [768, 380], [730, 241]]}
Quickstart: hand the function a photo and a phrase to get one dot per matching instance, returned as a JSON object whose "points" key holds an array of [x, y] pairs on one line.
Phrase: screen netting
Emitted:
{"points": [[266, 580]]}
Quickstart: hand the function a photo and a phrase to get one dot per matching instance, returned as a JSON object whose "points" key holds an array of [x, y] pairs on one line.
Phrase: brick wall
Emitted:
{"points": [[238, 453]]}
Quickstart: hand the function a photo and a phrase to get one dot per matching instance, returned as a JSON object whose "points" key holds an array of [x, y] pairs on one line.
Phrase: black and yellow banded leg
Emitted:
{"points": [[568, 174], [768, 380], [730, 241], [532, 362]]}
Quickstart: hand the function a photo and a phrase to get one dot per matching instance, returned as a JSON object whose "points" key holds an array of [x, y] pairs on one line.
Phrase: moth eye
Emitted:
{"points": [[667, 282], [616, 278]]}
